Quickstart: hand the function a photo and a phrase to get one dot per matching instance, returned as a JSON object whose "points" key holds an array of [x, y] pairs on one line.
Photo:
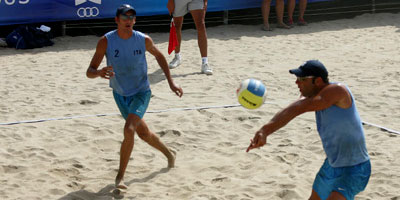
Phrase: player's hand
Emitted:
{"points": [[259, 140], [171, 6], [106, 72], [177, 89]]}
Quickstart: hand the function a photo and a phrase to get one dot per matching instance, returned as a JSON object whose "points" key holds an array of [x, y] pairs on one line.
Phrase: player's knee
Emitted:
{"points": [[201, 26], [129, 132], [144, 134]]}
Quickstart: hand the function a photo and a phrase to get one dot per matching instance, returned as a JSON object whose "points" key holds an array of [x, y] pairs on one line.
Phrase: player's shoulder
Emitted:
{"points": [[336, 86], [338, 89], [103, 40], [138, 33], [102, 43]]}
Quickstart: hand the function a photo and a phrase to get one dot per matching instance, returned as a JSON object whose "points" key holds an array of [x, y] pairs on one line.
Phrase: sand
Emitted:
{"points": [[78, 158]]}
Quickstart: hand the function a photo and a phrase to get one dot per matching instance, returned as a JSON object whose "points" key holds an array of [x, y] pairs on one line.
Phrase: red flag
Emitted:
{"points": [[173, 40]]}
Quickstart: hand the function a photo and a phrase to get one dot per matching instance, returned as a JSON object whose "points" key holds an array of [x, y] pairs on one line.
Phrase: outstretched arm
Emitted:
{"points": [[150, 47], [330, 95], [105, 72]]}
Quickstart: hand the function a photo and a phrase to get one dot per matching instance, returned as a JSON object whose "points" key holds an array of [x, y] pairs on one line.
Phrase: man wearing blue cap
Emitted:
{"points": [[347, 168], [126, 69]]}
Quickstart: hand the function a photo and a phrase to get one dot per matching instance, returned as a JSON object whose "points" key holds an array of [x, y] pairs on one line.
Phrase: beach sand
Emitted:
{"points": [[78, 158]]}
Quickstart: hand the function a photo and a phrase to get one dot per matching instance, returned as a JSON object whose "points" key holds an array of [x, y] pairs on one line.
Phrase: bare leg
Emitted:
{"points": [[265, 9], [280, 6], [314, 196], [336, 196], [178, 26], [198, 18], [333, 196], [126, 148], [302, 8], [152, 139], [291, 5]]}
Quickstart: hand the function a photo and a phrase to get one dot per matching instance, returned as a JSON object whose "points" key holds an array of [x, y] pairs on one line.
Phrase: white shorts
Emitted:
{"points": [[184, 6]]}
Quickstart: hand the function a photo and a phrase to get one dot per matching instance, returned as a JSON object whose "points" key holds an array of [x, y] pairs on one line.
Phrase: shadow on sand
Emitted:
{"points": [[109, 192]]}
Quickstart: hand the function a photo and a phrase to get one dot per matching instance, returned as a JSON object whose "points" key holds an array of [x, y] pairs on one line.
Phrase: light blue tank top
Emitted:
{"points": [[128, 58], [342, 135]]}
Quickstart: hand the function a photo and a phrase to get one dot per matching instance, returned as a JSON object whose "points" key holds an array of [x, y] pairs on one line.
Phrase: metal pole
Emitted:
{"points": [[226, 19]]}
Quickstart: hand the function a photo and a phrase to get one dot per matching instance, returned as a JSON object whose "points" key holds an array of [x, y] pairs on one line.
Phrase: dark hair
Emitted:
{"points": [[324, 79]]}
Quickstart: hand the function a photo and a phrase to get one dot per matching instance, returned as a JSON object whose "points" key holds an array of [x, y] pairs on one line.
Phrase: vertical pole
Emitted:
{"points": [[226, 19], [63, 28]]}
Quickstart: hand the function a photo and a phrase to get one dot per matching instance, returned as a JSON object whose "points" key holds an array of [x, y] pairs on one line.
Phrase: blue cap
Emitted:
{"points": [[124, 8], [311, 68]]}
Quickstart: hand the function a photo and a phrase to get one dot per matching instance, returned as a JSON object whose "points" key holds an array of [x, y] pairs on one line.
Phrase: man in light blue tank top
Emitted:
{"points": [[126, 69], [347, 168]]}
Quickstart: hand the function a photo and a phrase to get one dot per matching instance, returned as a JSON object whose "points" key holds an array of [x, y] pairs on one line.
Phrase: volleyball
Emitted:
{"points": [[251, 93]]}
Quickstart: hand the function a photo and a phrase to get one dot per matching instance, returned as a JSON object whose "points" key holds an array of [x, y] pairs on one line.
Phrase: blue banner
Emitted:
{"points": [[38, 11]]}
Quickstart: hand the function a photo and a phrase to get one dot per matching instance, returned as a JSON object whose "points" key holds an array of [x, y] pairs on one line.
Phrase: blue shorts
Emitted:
{"points": [[348, 181], [136, 104]]}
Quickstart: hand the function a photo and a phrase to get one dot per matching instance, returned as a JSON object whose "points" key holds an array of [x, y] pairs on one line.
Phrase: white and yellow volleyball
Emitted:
{"points": [[251, 93]]}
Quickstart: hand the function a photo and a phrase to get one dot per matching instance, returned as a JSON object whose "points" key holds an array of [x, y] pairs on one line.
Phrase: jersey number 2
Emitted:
{"points": [[116, 53]]}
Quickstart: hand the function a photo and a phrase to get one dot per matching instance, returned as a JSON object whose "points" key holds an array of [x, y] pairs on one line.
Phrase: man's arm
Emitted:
{"points": [[98, 56], [330, 95], [150, 47]]}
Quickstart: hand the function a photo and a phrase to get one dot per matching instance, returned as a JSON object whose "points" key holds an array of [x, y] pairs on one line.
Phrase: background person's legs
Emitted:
{"points": [[280, 8], [265, 9], [302, 10], [178, 26], [198, 18], [291, 4]]}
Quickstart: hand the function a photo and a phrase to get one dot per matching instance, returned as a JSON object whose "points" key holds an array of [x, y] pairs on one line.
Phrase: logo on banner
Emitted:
{"points": [[12, 2], [79, 2], [86, 12]]}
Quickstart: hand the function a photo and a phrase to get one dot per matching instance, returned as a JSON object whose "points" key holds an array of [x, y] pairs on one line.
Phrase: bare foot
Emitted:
{"points": [[119, 184], [266, 28], [301, 22], [283, 25], [171, 159]]}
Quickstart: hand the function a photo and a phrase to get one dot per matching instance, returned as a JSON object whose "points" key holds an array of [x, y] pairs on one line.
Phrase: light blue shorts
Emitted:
{"points": [[136, 104], [348, 181]]}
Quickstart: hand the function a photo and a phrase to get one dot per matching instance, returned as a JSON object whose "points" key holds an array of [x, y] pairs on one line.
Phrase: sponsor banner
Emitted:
{"points": [[37, 11]]}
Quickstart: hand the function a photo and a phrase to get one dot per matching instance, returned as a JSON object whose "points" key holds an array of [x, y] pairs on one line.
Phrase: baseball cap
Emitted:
{"points": [[124, 8], [311, 68]]}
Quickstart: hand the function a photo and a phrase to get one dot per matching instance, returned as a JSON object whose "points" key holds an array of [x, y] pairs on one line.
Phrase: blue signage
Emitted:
{"points": [[36, 11]]}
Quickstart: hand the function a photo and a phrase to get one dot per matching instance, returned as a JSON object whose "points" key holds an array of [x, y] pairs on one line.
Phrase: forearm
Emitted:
{"points": [[280, 119], [92, 72], [162, 62]]}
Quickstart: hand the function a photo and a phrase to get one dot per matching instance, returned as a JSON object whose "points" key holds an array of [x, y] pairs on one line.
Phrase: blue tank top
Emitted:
{"points": [[128, 59], [342, 135]]}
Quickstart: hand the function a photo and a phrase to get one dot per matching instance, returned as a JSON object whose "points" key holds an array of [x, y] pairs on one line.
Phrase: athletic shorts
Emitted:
{"points": [[348, 181], [136, 104], [184, 6]]}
